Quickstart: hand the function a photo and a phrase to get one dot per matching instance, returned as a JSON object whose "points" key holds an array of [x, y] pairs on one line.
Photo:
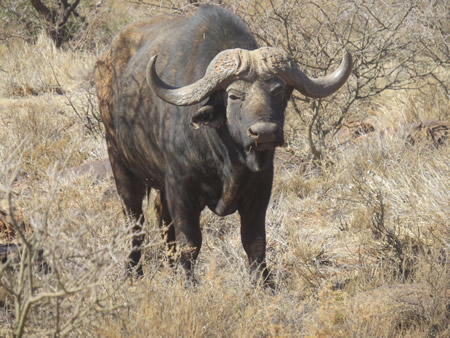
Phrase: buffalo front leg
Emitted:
{"points": [[132, 191], [253, 237], [253, 232], [184, 208]]}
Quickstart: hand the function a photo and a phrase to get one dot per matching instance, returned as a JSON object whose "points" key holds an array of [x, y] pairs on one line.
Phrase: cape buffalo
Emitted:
{"points": [[194, 109]]}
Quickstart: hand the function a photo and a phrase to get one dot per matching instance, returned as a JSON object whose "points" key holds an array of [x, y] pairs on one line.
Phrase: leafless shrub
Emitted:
{"points": [[56, 18], [85, 106], [18, 21], [73, 274], [395, 45]]}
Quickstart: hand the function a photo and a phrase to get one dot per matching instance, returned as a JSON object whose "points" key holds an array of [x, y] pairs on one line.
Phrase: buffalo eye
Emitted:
{"points": [[277, 90], [236, 96]]}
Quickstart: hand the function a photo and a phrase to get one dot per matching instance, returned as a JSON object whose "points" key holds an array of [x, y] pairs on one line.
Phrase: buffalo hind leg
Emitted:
{"points": [[132, 191], [166, 225]]}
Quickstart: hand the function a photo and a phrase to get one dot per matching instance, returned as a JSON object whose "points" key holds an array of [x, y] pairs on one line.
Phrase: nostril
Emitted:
{"points": [[274, 129], [263, 131], [252, 133]]}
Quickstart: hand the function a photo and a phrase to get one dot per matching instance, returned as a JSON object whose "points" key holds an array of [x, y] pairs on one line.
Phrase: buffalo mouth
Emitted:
{"points": [[258, 146], [261, 139], [263, 146], [260, 156]]}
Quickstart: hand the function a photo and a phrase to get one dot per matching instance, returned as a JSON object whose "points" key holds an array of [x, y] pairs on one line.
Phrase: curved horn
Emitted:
{"points": [[321, 86], [220, 69]]}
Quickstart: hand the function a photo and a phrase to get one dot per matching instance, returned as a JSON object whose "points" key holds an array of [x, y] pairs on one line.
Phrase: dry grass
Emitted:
{"points": [[358, 245]]}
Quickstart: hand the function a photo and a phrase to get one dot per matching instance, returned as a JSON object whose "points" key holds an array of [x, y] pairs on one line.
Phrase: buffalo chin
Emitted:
{"points": [[259, 160]]}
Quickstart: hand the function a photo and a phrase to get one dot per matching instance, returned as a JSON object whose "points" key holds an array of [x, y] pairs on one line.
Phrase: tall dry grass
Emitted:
{"points": [[358, 243]]}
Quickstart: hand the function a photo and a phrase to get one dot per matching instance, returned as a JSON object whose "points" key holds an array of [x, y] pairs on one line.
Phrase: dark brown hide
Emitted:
{"points": [[217, 151]]}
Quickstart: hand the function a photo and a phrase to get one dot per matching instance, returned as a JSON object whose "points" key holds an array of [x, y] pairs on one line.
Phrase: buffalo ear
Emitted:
{"points": [[208, 115]]}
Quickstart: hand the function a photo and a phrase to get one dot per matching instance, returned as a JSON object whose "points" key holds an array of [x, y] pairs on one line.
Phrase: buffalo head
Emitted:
{"points": [[249, 89]]}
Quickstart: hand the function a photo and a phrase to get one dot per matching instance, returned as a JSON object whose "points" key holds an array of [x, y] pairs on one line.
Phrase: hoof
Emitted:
{"points": [[134, 268], [190, 283], [263, 277]]}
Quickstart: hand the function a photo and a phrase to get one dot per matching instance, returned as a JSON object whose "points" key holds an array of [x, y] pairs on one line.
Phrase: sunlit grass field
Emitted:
{"points": [[358, 243]]}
